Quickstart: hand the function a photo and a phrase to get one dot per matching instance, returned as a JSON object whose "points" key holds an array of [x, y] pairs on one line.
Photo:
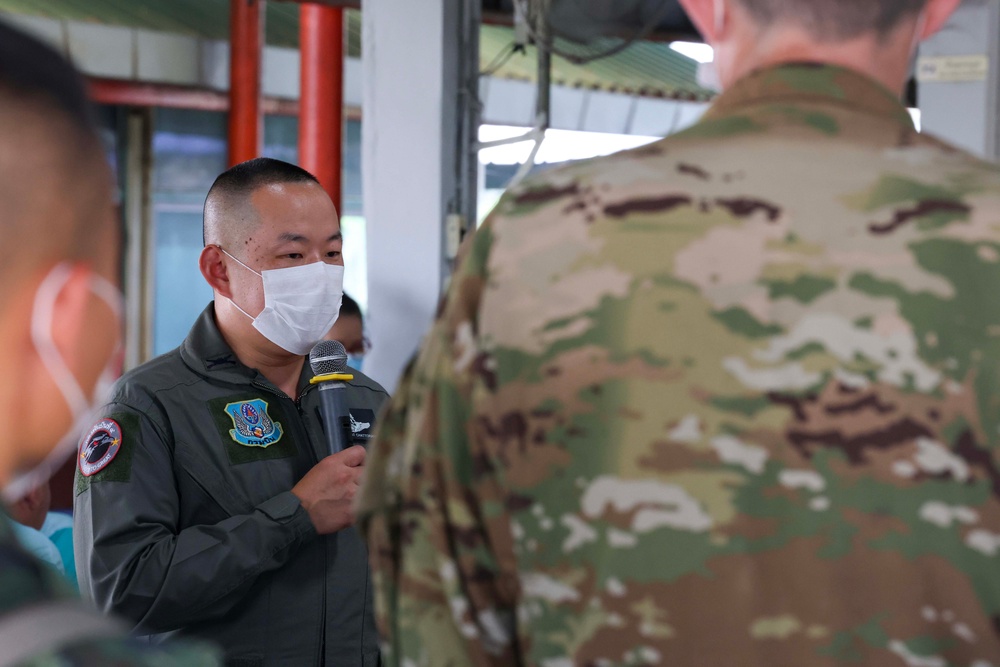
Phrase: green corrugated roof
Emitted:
{"points": [[201, 18], [645, 68]]}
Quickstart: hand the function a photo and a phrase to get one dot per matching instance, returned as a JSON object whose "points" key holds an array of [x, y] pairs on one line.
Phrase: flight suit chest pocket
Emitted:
{"points": [[250, 449], [252, 429]]}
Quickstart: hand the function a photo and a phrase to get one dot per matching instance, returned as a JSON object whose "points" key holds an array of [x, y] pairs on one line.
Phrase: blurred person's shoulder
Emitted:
{"points": [[29, 590], [24, 580], [780, 142]]}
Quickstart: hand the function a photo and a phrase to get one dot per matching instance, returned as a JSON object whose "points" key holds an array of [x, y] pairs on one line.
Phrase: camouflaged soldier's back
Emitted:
{"points": [[729, 399]]}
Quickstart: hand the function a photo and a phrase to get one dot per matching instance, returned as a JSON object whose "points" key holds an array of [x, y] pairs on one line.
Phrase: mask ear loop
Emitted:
{"points": [[80, 408], [223, 251], [260, 275], [41, 335]]}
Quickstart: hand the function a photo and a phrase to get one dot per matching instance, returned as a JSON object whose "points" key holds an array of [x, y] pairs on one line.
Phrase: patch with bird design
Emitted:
{"points": [[100, 447], [253, 426]]}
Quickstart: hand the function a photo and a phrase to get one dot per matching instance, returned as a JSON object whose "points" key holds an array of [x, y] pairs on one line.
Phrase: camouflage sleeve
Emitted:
{"points": [[432, 509]]}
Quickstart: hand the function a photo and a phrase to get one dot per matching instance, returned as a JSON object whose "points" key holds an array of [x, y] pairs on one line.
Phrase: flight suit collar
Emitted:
{"points": [[811, 83], [207, 353]]}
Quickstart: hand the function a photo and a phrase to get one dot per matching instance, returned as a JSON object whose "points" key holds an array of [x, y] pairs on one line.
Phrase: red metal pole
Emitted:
{"points": [[246, 122], [321, 102]]}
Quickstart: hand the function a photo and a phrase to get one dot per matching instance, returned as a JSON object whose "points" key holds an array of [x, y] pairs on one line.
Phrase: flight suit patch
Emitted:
{"points": [[100, 458], [250, 429], [362, 424], [99, 447], [253, 426]]}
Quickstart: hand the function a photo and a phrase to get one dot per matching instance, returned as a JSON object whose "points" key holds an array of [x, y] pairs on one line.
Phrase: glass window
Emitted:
{"points": [[189, 151], [281, 138]]}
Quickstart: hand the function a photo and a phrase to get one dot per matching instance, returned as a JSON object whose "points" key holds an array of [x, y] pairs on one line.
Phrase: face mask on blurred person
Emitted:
{"points": [[301, 303], [355, 361], [81, 408]]}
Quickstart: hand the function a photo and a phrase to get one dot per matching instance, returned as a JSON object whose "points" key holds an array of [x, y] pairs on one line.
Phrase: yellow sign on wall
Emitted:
{"points": [[952, 69]]}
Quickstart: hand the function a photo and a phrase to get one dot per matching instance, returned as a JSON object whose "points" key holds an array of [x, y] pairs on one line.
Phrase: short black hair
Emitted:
{"points": [[349, 307], [836, 19], [32, 69], [241, 180], [50, 152]]}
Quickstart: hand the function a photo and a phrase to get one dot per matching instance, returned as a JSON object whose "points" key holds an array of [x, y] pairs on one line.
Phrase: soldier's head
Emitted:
{"points": [[877, 37], [59, 327], [264, 218]]}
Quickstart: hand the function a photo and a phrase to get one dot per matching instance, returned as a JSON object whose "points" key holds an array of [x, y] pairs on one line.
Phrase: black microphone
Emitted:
{"points": [[328, 360]]}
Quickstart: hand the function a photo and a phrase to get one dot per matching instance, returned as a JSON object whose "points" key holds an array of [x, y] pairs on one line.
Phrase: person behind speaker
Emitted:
{"points": [[350, 331]]}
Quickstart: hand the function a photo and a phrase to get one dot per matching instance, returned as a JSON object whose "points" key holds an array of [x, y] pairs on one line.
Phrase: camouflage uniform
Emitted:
{"points": [[26, 582], [728, 399]]}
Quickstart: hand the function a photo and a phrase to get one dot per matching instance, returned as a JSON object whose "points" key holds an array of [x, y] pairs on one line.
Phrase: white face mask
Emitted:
{"points": [[355, 360], [301, 304], [81, 408]]}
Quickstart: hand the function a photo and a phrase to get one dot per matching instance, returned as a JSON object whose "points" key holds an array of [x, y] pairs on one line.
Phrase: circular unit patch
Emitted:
{"points": [[100, 447]]}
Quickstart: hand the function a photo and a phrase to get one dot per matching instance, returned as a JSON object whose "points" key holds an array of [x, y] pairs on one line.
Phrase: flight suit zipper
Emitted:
{"points": [[303, 422]]}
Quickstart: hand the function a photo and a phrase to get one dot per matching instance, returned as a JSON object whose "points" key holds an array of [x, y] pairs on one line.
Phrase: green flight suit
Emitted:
{"points": [[190, 526]]}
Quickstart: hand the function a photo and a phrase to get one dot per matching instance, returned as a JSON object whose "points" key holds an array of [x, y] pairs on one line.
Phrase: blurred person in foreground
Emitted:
{"points": [[59, 332], [727, 399], [46, 534], [217, 509], [349, 330]]}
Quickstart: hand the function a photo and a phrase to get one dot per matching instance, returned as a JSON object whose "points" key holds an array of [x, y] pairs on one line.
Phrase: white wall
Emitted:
{"points": [[966, 113], [406, 153]]}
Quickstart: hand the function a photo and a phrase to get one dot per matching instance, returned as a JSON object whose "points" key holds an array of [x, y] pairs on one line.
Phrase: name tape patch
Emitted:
{"points": [[362, 423]]}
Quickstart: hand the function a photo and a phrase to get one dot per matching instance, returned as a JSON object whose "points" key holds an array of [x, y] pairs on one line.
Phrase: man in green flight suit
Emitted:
{"points": [[207, 501], [59, 331], [726, 399]]}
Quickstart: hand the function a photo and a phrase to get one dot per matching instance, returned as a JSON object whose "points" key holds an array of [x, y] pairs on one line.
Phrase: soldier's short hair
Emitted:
{"points": [[835, 19], [54, 181], [233, 188]]}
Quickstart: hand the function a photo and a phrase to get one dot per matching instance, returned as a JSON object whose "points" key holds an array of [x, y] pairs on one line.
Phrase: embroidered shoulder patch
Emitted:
{"points": [[253, 426], [100, 447]]}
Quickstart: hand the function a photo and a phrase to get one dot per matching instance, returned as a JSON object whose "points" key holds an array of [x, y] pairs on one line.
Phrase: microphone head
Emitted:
{"points": [[328, 356]]}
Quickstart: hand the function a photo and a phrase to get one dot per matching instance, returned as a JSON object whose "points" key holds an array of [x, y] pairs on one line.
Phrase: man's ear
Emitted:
{"points": [[703, 13], [938, 12], [213, 266]]}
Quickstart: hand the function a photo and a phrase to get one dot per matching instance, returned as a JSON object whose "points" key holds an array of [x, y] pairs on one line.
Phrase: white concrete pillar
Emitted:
{"points": [[958, 76], [409, 152]]}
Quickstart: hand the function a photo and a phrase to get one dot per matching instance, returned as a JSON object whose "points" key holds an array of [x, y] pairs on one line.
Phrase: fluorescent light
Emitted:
{"points": [[697, 51], [559, 145], [915, 114]]}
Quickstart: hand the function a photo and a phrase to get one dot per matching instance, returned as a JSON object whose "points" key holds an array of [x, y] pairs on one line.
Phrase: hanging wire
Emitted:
{"points": [[502, 58]]}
